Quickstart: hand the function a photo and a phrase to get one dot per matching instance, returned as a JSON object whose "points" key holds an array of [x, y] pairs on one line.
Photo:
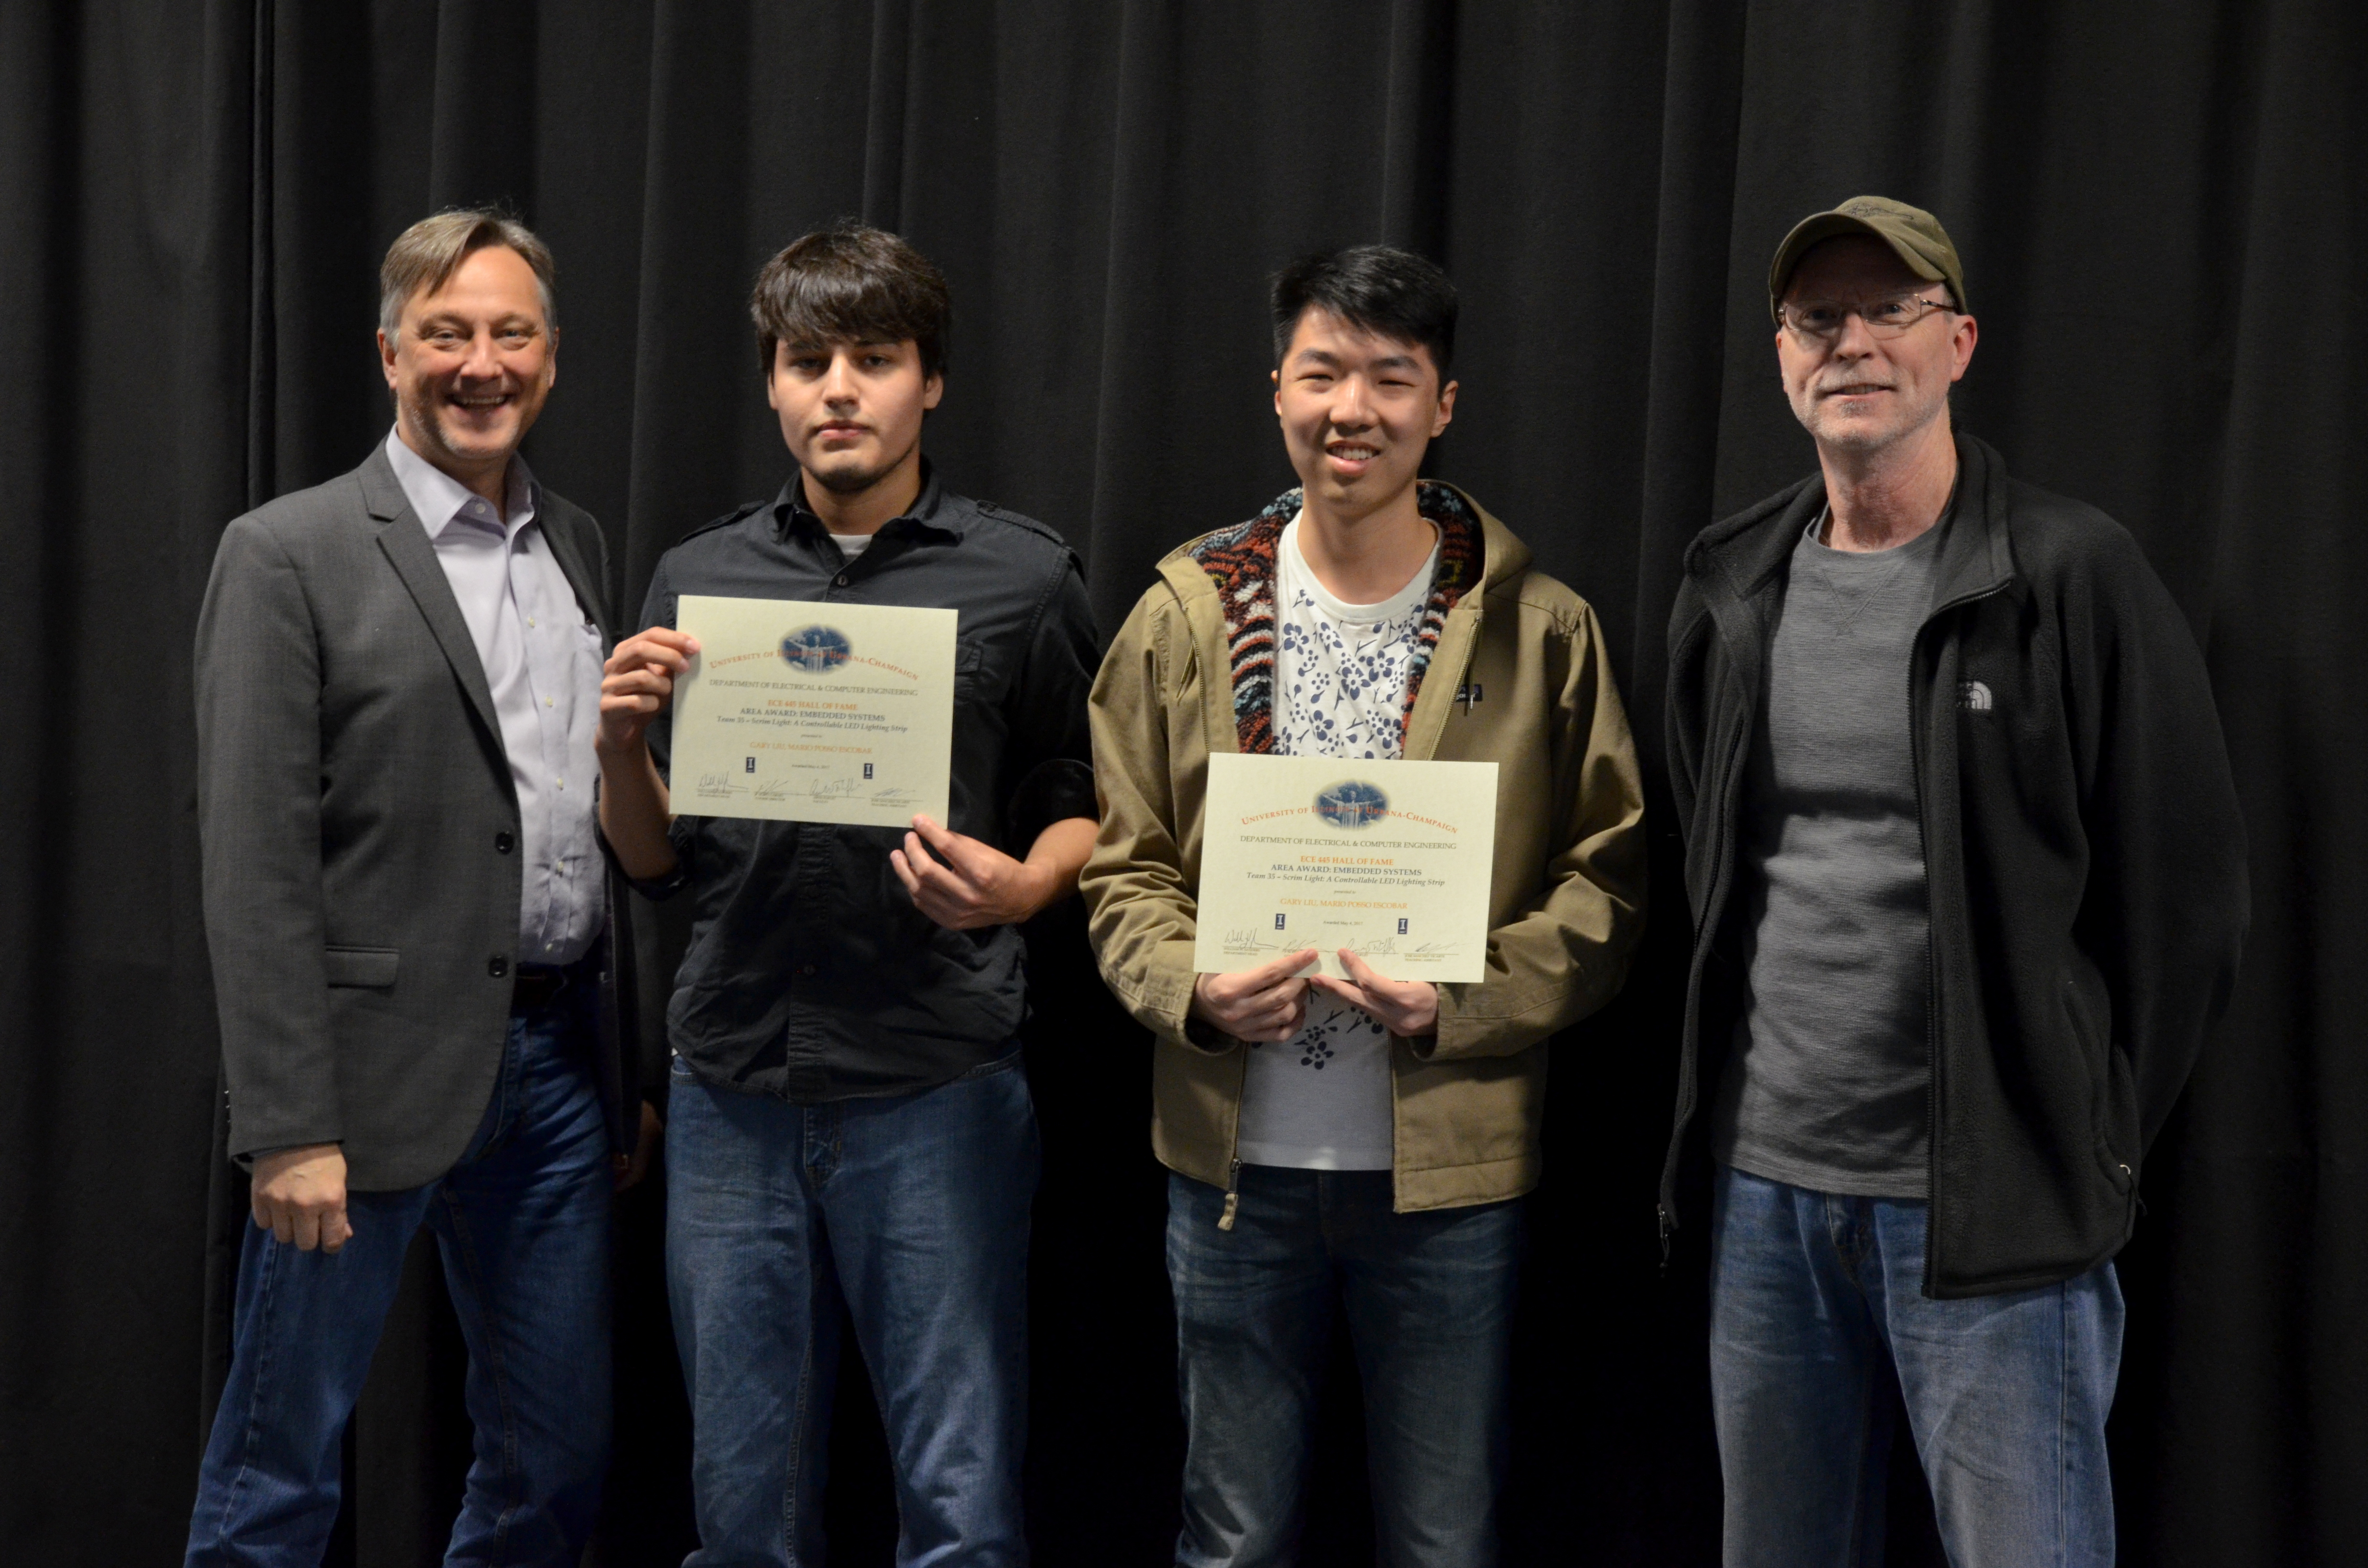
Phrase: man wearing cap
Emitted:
{"points": [[1968, 884]]}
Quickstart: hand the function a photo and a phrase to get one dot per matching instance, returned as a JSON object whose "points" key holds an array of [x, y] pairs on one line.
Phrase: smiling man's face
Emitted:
{"points": [[1358, 412], [1859, 391], [472, 363]]}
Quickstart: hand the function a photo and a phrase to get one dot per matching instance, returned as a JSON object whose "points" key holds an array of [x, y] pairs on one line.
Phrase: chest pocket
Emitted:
{"points": [[972, 681]]}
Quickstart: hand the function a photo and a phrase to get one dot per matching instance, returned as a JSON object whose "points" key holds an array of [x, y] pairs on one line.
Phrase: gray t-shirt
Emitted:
{"points": [[1829, 1086]]}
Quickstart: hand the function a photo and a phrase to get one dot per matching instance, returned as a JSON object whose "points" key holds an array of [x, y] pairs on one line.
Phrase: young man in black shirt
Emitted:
{"points": [[849, 1119]]}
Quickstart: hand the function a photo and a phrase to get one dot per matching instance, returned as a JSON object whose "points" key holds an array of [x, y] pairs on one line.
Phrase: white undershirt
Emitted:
{"points": [[1321, 1100]]}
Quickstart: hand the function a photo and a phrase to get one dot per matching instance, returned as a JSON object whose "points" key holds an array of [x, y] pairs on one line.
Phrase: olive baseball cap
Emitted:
{"points": [[1913, 233]]}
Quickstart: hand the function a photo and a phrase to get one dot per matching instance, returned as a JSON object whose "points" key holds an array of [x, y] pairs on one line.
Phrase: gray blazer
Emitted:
{"points": [[361, 831]]}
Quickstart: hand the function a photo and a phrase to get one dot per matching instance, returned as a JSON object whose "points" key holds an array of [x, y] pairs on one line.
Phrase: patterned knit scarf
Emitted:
{"points": [[1240, 561]]}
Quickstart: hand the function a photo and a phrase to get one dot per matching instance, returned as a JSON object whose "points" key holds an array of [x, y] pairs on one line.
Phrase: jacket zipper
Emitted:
{"points": [[1931, 957], [1931, 978], [1714, 910], [1464, 685], [1234, 1151]]}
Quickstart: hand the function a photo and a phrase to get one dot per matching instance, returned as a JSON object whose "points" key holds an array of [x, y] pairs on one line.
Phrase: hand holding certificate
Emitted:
{"points": [[1388, 859], [803, 711]]}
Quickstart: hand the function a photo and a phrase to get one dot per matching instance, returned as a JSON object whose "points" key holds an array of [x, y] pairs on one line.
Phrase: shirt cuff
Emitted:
{"points": [[655, 889], [1054, 790]]}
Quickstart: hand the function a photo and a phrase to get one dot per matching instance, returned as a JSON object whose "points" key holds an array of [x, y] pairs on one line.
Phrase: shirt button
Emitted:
{"points": [[503, 843], [560, 782], [839, 581], [498, 966], [805, 969], [546, 702]]}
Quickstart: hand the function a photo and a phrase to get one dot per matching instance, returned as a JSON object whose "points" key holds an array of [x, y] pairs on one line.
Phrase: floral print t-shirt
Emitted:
{"points": [[1321, 1100]]}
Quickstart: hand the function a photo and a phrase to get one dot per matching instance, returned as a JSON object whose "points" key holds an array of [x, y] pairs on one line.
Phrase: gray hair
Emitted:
{"points": [[425, 256]]}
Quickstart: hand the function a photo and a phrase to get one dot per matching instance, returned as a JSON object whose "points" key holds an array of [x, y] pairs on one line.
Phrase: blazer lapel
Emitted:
{"points": [[404, 540]]}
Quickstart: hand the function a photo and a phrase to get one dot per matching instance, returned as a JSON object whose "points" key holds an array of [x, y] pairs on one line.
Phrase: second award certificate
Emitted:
{"points": [[804, 711], [1389, 860]]}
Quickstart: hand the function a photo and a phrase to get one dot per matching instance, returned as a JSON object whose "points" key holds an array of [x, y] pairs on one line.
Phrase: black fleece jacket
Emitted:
{"points": [[2083, 852]]}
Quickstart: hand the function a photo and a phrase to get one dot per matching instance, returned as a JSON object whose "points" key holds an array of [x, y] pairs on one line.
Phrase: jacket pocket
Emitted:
{"points": [[369, 968], [2110, 1086], [2117, 1129]]}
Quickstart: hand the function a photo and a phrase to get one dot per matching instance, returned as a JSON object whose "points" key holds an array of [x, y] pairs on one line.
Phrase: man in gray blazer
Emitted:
{"points": [[398, 683]]}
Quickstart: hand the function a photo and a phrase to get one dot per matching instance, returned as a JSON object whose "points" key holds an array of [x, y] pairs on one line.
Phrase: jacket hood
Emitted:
{"points": [[1503, 557]]}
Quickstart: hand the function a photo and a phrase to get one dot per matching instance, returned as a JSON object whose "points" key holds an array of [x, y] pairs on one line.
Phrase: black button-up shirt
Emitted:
{"points": [[810, 972]]}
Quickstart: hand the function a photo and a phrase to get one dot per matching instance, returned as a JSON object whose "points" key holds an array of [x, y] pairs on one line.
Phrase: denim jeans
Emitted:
{"points": [[1817, 1311], [522, 1221], [1429, 1303], [912, 1209]]}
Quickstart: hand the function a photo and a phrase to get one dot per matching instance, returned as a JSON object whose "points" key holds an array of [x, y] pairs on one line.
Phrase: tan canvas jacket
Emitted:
{"points": [[1519, 678]]}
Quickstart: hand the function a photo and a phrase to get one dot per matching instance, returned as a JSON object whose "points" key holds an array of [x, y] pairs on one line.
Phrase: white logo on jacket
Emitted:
{"points": [[1975, 698]]}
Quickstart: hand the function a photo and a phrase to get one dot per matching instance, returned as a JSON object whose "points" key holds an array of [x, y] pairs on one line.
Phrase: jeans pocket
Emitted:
{"points": [[1010, 1061]]}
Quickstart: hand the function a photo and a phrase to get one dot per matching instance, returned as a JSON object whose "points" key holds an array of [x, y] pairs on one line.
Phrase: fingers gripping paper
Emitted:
{"points": [[803, 712], [1389, 860]]}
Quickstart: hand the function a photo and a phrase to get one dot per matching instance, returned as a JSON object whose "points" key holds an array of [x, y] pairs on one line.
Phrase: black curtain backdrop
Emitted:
{"points": [[2162, 209]]}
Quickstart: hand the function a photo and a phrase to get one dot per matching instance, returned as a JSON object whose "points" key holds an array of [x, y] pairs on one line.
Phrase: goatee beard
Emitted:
{"points": [[852, 482], [856, 481], [431, 428], [1867, 442]]}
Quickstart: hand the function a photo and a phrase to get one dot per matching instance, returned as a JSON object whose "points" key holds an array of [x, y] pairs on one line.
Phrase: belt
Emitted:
{"points": [[537, 985]]}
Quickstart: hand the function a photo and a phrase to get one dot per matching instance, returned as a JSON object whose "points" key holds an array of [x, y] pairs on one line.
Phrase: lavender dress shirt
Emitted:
{"points": [[542, 659]]}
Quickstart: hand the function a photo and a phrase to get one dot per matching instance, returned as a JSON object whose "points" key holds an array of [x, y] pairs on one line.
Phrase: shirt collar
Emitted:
{"points": [[931, 509], [1816, 532], [438, 498]]}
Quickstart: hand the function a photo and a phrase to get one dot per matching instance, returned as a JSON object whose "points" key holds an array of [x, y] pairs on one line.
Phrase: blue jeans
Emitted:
{"points": [[912, 1210], [1429, 1303], [522, 1220], [1817, 1311]]}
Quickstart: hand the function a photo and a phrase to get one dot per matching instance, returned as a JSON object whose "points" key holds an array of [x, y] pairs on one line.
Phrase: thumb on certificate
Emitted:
{"points": [[978, 862]]}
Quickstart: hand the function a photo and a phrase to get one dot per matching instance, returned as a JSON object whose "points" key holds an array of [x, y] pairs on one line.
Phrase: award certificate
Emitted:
{"points": [[804, 711], [1389, 860]]}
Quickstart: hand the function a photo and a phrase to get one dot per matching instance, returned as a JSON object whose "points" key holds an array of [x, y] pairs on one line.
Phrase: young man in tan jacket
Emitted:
{"points": [[1364, 1140]]}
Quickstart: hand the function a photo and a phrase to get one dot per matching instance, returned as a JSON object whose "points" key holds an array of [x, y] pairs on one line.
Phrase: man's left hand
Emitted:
{"points": [[629, 1169], [1408, 1007], [969, 884]]}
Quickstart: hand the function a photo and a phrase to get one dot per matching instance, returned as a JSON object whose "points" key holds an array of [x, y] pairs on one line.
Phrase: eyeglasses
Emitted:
{"points": [[1820, 320]]}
